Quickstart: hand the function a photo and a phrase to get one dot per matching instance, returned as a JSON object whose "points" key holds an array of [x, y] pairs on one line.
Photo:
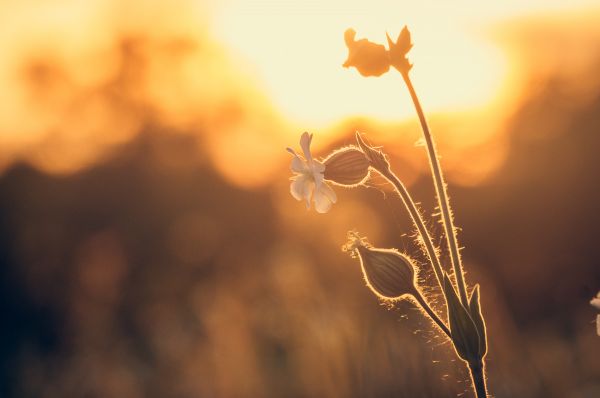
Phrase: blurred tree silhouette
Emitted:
{"points": [[148, 273]]}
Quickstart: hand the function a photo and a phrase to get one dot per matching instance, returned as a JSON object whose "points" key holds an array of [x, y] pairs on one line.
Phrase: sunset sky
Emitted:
{"points": [[249, 76], [293, 49]]}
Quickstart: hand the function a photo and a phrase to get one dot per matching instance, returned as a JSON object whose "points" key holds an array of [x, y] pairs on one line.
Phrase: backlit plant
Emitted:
{"points": [[387, 272]]}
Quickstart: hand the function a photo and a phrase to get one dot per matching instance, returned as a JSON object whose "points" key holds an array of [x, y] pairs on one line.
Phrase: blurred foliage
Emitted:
{"points": [[146, 272], [147, 275]]}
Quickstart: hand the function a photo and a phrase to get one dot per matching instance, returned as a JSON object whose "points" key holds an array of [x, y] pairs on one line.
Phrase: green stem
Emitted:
{"points": [[442, 195], [478, 379], [417, 220], [419, 297]]}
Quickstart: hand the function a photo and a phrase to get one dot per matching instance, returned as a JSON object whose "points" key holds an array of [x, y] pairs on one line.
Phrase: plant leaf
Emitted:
{"points": [[475, 310], [462, 328]]}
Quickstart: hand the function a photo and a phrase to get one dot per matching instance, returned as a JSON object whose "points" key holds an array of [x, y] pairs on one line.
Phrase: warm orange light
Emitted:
{"points": [[467, 83], [249, 76], [296, 49]]}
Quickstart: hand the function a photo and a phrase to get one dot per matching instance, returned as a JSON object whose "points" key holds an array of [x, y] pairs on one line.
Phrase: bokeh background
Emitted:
{"points": [[149, 246]]}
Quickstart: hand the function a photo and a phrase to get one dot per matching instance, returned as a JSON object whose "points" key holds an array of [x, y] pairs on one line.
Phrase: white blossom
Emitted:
{"points": [[308, 180]]}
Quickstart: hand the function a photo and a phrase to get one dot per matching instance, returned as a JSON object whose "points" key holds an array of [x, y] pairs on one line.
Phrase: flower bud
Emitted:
{"points": [[347, 167], [388, 273], [376, 158], [468, 338]]}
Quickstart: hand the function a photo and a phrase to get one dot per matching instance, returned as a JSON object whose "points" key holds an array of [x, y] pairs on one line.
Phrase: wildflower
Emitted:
{"points": [[308, 182], [388, 273], [347, 167], [369, 58]]}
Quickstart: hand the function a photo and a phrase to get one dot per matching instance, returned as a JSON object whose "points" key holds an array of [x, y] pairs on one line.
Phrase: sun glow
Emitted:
{"points": [[248, 76], [296, 48]]}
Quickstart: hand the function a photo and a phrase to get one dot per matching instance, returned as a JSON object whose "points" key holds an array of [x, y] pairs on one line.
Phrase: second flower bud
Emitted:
{"points": [[388, 273], [347, 167]]}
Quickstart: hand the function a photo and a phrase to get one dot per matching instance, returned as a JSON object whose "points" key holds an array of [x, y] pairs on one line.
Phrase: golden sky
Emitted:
{"points": [[293, 48], [80, 78]]}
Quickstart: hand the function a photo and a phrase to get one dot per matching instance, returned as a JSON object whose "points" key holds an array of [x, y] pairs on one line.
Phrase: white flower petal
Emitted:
{"points": [[298, 188], [309, 188], [317, 166], [298, 165], [595, 302], [329, 192], [322, 203], [305, 141], [318, 178], [316, 170], [302, 188], [324, 197]]}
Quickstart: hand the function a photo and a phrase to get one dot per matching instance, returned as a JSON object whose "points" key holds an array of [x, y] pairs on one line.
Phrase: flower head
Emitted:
{"points": [[370, 59], [308, 180], [373, 59]]}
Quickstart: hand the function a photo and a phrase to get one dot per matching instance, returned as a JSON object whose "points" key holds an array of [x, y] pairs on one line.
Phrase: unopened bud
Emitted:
{"points": [[376, 158], [347, 167], [388, 273], [469, 342]]}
